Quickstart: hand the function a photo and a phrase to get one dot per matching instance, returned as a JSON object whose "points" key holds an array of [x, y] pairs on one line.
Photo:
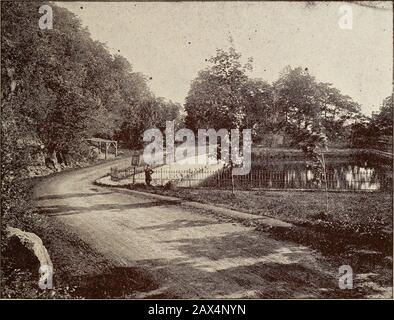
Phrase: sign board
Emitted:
{"points": [[135, 160]]}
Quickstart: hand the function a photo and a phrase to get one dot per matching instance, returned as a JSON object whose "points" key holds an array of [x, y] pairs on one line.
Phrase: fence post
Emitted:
{"points": [[232, 179], [116, 174]]}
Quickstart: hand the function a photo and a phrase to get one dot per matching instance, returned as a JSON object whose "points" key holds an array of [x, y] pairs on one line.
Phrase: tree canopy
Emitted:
{"points": [[224, 96], [59, 87], [215, 99], [383, 122], [67, 86], [305, 105]]}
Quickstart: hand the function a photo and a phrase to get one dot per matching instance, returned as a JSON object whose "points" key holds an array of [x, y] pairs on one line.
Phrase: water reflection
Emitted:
{"points": [[341, 174]]}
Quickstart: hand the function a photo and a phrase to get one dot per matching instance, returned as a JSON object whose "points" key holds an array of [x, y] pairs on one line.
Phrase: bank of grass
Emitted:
{"points": [[362, 220], [351, 208]]}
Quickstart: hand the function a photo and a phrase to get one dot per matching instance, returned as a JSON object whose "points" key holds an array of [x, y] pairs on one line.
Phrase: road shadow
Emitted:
{"points": [[180, 223], [241, 265], [118, 282], [268, 280], [64, 210], [70, 195], [239, 245]]}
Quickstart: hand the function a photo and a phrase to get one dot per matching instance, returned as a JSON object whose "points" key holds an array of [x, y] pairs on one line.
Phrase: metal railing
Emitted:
{"points": [[260, 179], [119, 174]]}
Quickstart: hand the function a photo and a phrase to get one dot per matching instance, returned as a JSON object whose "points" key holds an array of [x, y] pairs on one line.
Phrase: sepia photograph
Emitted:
{"points": [[194, 150]]}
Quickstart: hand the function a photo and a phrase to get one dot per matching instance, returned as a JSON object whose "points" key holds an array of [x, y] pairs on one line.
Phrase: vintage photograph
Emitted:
{"points": [[196, 150]]}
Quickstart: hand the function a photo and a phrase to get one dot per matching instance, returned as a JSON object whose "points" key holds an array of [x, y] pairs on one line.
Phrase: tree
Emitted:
{"points": [[383, 121], [314, 147], [303, 103], [215, 99], [366, 131], [49, 75], [260, 115], [68, 87], [58, 87]]}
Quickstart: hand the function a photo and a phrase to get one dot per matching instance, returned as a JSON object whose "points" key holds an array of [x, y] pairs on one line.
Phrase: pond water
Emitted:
{"points": [[343, 173]]}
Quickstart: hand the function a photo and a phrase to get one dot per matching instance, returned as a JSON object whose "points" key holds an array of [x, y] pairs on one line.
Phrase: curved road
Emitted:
{"points": [[187, 254]]}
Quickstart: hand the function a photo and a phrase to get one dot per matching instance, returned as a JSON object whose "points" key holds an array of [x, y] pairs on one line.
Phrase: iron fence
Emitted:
{"points": [[260, 179], [120, 174]]}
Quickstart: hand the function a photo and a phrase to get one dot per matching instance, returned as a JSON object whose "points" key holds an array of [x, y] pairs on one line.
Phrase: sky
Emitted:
{"points": [[170, 42]]}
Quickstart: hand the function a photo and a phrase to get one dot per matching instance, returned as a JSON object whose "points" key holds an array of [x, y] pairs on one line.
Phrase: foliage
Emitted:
{"points": [[59, 87], [314, 145], [365, 131], [223, 96], [259, 107], [69, 87], [217, 96], [383, 122], [303, 103]]}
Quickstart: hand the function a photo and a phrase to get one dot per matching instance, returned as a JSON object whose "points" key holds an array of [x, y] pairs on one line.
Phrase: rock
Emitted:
{"points": [[33, 243]]}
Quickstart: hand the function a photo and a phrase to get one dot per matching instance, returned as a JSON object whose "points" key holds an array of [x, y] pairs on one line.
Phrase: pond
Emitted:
{"points": [[357, 172]]}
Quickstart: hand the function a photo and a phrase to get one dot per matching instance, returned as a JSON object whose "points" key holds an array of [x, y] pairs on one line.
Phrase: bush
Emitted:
{"points": [[170, 185]]}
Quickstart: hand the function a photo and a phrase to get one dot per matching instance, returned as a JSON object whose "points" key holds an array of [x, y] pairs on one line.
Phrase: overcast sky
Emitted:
{"points": [[171, 41]]}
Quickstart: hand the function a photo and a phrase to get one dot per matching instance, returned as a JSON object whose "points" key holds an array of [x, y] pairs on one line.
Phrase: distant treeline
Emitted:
{"points": [[224, 96]]}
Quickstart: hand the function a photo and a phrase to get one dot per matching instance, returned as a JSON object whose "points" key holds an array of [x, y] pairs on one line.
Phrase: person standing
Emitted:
{"points": [[148, 175]]}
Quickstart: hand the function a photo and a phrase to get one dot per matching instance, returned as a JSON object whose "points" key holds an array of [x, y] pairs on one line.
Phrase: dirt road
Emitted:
{"points": [[185, 254]]}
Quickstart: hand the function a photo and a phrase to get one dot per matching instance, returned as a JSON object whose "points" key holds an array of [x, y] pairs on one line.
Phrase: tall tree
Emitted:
{"points": [[383, 121], [259, 107], [215, 99], [306, 105]]}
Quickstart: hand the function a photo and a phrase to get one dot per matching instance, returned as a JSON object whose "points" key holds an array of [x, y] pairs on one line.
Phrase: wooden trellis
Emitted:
{"points": [[98, 142]]}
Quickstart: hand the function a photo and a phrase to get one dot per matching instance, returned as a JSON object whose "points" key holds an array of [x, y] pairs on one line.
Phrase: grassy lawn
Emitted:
{"points": [[350, 208]]}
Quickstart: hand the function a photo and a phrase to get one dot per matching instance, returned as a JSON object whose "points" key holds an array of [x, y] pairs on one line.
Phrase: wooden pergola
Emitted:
{"points": [[98, 142]]}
